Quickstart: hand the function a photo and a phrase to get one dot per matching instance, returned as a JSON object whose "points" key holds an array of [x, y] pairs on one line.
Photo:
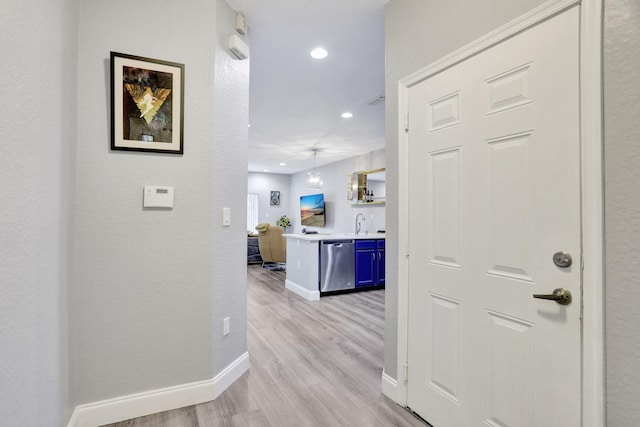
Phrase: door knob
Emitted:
{"points": [[560, 295]]}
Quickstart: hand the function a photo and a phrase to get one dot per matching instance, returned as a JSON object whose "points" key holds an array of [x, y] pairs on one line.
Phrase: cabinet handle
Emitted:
{"points": [[373, 255]]}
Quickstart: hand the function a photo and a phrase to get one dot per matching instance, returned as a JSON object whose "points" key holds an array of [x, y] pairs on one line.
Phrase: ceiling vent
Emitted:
{"points": [[238, 47]]}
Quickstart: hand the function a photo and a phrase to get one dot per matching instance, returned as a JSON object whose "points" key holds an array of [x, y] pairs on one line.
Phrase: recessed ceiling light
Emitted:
{"points": [[266, 170], [347, 115], [283, 164], [319, 53]]}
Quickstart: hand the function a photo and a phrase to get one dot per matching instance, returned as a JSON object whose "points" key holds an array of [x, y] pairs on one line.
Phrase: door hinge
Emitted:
{"points": [[406, 372], [406, 122], [407, 251]]}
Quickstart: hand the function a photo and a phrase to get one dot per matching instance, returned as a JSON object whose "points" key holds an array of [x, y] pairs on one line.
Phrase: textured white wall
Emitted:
{"points": [[417, 34], [622, 209], [340, 214], [262, 184], [146, 279], [38, 41], [229, 262]]}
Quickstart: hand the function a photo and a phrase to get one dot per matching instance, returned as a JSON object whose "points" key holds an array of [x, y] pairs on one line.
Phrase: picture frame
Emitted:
{"points": [[275, 198], [147, 104]]}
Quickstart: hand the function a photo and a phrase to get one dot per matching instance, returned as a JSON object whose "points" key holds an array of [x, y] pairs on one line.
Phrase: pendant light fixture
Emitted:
{"points": [[314, 179]]}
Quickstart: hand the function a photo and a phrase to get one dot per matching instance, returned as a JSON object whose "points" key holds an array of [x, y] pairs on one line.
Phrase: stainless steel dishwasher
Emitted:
{"points": [[337, 271]]}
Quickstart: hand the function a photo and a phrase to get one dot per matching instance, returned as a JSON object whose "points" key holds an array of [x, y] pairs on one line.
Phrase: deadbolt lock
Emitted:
{"points": [[562, 259]]}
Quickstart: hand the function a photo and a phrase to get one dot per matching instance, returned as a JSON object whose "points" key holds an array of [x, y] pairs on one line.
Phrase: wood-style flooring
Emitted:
{"points": [[315, 364]]}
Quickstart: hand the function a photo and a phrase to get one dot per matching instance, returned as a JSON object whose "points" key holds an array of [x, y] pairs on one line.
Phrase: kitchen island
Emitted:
{"points": [[324, 264]]}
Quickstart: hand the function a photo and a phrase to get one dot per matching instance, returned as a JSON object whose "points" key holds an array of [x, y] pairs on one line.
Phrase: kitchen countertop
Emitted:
{"points": [[336, 236]]}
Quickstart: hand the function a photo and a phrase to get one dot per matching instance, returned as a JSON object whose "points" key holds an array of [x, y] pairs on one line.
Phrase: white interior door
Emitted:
{"points": [[494, 172]]}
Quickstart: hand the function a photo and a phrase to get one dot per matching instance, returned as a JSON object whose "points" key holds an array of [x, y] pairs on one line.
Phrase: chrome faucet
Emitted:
{"points": [[358, 224]]}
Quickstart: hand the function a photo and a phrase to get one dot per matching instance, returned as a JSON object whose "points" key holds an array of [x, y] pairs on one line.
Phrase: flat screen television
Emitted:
{"points": [[312, 210]]}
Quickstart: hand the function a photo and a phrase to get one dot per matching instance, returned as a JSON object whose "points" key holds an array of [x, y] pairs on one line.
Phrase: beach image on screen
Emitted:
{"points": [[312, 210]]}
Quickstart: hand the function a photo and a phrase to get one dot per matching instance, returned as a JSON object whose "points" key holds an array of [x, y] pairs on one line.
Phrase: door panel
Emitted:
{"points": [[495, 192], [510, 371], [444, 330], [509, 199], [444, 204]]}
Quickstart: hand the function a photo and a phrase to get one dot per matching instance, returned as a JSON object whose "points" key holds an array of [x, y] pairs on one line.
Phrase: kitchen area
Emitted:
{"points": [[328, 264]]}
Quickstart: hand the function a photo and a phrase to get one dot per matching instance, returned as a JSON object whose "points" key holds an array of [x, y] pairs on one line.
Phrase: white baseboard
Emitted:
{"points": [[230, 374], [73, 421], [303, 292], [160, 400], [391, 390]]}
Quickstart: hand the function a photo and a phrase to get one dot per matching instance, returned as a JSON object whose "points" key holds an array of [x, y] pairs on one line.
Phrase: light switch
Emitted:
{"points": [[226, 217], [156, 196]]}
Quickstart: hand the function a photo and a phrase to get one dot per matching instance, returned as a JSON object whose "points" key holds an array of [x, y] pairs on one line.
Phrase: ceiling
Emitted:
{"points": [[296, 101]]}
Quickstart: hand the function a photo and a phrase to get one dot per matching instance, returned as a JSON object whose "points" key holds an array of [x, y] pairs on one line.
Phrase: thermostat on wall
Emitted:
{"points": [[156, 196]]}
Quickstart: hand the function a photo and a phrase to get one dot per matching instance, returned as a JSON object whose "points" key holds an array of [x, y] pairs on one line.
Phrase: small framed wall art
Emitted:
{"points": [[147, 104], [275, 198]]}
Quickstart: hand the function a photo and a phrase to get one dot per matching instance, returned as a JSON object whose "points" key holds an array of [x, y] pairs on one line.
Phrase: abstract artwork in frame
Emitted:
{"points": [[147, 104], [275, 198]]}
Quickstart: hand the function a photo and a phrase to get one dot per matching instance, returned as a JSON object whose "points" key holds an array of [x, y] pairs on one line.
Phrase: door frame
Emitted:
{"points": [[591, 158]]}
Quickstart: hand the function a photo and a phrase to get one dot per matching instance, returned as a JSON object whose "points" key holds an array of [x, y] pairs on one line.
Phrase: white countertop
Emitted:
{"points": [[337, 236]]}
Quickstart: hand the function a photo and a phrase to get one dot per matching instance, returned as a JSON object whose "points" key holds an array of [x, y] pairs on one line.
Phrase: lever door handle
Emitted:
{"points": [[560, 295]]}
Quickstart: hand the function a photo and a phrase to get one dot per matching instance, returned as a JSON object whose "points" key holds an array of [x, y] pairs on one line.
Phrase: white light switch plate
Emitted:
{"points": [[226, 326], [157, 196], [226, 217]]}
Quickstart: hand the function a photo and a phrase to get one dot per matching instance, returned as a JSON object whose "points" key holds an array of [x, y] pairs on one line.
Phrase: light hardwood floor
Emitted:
{"points": [[316, 364]]}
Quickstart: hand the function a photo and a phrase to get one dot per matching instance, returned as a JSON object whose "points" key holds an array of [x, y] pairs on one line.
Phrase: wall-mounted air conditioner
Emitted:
{"points": [[238, 47]]}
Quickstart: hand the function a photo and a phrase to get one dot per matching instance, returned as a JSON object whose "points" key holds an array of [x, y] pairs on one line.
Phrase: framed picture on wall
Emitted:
{"points": [[275, 198], [147, 104]]}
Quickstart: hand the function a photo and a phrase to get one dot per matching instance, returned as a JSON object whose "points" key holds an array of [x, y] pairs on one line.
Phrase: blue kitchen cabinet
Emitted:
{"points": [[380, 260], [369, 260]]}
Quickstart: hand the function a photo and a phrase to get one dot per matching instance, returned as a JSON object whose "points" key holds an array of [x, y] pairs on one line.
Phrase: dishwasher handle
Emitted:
{"points": [[337, 244]]}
